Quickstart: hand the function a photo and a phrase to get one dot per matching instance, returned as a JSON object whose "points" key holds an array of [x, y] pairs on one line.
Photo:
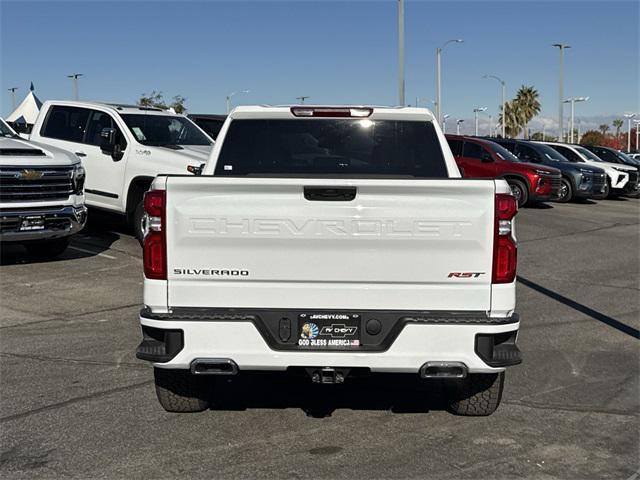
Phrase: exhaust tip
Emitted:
{"points": [[443, 370], [214, 366]]}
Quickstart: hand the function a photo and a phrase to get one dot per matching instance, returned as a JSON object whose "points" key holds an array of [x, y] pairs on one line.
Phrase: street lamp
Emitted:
{"points": [[401, 52], [74, 77], [230, 96], [444, 123], [637, 122], [13, 96], [629, 116], [562, 47], [458, 122], [439, 78], [477, 110], [572, 101], [504, 101], [302, 98]]}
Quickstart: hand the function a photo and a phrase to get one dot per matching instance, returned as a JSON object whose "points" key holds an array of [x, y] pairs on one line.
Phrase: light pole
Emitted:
{"points": [[458, 122], [401, 52], [504, 101], [444, 123], [13, 97], [562, 47], [230, 96], [302, 98], [629, 116], [74, 77], [439, 78], [578, 139], [477, 110], [572, 101], [637, 122]]}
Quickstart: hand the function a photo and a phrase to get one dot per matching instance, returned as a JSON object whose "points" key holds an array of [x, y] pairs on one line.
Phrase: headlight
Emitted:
{"points": [[543, 172], [590, 172], [77, 179], [620, 169]]}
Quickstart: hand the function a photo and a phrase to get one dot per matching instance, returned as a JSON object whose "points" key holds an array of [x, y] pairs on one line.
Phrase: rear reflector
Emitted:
{"points": [[155, 245], [504, 246], [331, 112]]}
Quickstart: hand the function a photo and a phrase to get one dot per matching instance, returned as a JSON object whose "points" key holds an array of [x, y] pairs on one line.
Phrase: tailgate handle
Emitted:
{"points": [[330, 194]]}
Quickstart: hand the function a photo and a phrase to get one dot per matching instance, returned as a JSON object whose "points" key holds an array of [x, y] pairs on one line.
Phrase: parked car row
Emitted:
{"points": [[119, 149], [543, 171]]}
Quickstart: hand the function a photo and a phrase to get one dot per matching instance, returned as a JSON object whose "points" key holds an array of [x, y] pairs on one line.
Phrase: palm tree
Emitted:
{"points": [[604, 128], [618, 123], [521, 110], [512, 124]]}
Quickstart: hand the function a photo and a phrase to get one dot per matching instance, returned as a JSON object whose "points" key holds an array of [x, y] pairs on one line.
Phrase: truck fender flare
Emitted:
{"points": [[137, 187]]}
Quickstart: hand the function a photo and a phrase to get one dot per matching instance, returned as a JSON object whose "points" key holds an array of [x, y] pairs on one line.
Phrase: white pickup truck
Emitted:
{"points": [[332, 241], [41, 195], [122, 147]]}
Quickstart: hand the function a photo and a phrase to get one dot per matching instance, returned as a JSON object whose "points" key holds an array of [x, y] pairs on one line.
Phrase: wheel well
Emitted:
{"points": [[572, 182], [137, 187]]}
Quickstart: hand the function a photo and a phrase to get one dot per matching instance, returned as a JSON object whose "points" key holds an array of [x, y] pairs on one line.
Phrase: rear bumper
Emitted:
{"points": [[175, 341], [58, 222]]}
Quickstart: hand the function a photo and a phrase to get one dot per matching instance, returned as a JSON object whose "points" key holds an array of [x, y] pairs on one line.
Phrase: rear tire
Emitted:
{"points": [[137, 221], [477, 395], [566, 191], [47, 249], [519, 190], [180, 391]]}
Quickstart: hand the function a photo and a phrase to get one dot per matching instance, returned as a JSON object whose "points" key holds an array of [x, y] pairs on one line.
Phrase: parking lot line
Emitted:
{"points": [[92, 252]]}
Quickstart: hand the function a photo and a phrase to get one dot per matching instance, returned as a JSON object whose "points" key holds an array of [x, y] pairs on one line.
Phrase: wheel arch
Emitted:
{"points": [[136, 189]]}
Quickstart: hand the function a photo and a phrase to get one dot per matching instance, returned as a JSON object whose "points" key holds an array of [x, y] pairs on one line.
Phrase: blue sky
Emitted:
{"points": [[336, 52]]}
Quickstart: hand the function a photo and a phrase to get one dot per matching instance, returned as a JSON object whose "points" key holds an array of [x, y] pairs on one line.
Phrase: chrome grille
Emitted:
{"points": [[19, 183]]}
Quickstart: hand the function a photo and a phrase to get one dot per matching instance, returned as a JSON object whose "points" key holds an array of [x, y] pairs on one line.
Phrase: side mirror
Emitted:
{"points": [[108, 144], [486, 157], [195, 169]]}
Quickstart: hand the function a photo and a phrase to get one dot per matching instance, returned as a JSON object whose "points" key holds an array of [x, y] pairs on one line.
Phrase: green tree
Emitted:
{"points": [[520, 110], [604, 128], [617, 124], [156, 100], [592, 137]]}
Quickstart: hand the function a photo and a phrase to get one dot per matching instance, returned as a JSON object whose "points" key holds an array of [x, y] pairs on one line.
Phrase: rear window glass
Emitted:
{"points": [[335, 147]]}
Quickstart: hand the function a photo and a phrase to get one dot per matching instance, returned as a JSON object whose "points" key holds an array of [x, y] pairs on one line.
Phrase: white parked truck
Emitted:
{"points": [[123, 147], [330, 241], [41, 195]]}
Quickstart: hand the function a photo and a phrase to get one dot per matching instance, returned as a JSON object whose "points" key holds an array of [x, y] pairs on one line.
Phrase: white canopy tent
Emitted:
{"points": [[27, 111]]}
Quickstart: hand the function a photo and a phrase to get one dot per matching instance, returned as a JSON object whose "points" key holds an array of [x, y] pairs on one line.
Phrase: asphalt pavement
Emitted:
{"points": [[75, 402]]}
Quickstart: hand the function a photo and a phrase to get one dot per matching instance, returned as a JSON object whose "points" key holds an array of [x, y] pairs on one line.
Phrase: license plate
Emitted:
{"points": [[333, 331], [32, 222]]}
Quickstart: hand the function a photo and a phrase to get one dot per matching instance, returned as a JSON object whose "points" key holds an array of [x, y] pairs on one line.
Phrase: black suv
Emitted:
{"points": [[578, 180], [210, 123]]}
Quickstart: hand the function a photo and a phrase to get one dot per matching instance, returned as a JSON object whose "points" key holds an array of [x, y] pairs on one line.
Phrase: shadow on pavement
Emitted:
{"points": [[612, 322], [381, 392]]}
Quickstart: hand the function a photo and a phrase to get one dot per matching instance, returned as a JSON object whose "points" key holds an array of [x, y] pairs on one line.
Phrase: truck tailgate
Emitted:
{"points": [[393, 246]]}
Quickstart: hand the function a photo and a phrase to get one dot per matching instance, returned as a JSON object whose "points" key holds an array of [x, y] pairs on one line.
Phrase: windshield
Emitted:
{"points": [[164, 130], [5, 131], [626, 158], [550, 153], [502, 152], [588, 153], [335, 147]]}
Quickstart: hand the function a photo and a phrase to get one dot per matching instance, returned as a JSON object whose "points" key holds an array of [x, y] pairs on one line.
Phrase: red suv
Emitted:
{"points": [[481, 158]]}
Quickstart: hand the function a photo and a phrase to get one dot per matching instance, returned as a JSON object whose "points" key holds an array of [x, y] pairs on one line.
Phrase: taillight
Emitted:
{"points": [[155, 245], [504, 245]]}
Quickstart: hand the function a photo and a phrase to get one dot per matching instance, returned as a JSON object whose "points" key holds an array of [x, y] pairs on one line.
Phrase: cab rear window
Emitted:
{"points": [[331, 147]]}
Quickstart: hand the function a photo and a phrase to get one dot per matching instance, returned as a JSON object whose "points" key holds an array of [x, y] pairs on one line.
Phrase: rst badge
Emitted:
{"points": [[464, 274]]}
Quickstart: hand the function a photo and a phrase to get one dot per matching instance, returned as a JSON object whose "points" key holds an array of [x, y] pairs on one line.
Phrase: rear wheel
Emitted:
{"points": [[519, 190], [477, 395], [137, 221], [180, 391], [566, 191], [47, 248]]}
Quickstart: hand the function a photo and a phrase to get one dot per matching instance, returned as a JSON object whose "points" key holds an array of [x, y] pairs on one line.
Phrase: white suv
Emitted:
{"points": [[122, 149], [41, 195]]}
